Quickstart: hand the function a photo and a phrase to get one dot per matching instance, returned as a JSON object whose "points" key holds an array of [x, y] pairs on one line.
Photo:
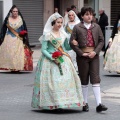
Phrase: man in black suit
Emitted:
{"points": [[103, 22]]}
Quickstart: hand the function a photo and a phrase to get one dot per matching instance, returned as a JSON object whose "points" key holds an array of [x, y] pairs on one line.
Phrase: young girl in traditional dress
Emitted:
{"points": [[53, 89]]}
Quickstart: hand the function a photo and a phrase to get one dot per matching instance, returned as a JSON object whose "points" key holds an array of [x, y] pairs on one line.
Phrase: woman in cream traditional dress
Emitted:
{"points": [[53, 90], [71, 21], [112, 56], [12, 53]]}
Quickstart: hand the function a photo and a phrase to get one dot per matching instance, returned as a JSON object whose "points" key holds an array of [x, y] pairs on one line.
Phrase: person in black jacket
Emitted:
{"points": [[103, 22]]}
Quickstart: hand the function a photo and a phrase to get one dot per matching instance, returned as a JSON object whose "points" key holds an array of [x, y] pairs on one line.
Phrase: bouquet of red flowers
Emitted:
{"points": [[57, 55], [23, 33]]}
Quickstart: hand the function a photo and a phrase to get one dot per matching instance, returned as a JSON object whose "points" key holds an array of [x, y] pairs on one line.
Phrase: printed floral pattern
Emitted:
{"points": [[53, 90], [112, 59]]}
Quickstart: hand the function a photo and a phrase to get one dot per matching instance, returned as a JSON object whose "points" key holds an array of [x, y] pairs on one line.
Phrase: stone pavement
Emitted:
{"points": [[16, 94]]}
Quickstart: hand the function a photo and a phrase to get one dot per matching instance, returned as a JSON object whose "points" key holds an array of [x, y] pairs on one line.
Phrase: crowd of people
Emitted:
{"points": [[68, 44]]}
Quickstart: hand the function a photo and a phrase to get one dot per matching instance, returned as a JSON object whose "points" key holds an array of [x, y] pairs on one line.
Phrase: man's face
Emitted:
{"points": [[56, 9], [87, 17], [100, 12], [74, 9]]}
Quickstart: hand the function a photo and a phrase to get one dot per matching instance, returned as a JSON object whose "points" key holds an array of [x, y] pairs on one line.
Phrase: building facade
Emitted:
{"points": [[36, 12]]}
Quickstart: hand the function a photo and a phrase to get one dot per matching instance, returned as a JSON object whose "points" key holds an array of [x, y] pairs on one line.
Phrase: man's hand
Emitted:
{"points": [[85, 55], [74, 42], [92, 54]]}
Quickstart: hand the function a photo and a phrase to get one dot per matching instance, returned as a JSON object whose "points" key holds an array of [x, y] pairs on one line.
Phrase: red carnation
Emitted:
{"points": [[56, 54], [23, 32]]}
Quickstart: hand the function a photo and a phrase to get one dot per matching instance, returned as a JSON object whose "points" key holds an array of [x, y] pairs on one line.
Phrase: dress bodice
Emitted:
{"points": [[48, 48], [17, 26], [69, 28], [118, 27]]}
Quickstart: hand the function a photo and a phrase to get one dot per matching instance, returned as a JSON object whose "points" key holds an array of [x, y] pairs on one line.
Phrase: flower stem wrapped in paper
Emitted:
{"points": [[57, 55]]}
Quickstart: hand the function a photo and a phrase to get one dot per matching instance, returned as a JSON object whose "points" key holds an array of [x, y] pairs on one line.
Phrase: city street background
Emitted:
{"points": [[16, 93]]}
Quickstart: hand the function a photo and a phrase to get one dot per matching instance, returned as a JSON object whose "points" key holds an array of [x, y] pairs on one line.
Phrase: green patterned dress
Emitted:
{"points": [[51, 89]]}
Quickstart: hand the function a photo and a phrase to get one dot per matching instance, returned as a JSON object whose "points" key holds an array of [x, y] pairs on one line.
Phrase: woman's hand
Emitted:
{"points": [[64, 53], [109, 44], [56, 62], [75, 42]]}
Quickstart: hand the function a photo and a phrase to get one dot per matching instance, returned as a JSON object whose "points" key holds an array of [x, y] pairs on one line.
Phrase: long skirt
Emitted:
{"points": [[112, 57], [13, 56], [53, 90], [73, 57]]}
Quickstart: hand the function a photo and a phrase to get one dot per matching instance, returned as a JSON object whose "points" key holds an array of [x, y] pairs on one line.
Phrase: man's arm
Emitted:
{"points": [[100, 41], [75, 47]]}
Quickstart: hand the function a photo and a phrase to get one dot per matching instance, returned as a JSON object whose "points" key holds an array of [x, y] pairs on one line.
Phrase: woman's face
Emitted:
{"points": [[71, 16], [58, 23], [15, 12]]}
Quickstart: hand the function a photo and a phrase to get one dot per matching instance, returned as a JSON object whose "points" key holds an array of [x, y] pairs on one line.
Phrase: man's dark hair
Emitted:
{"points": [[79, 15], [86, 9], [94, 14], [73, 6], [68, 9]]}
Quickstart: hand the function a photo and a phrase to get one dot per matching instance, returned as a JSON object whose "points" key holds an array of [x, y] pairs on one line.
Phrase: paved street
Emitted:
{"points": [[16, 93]]}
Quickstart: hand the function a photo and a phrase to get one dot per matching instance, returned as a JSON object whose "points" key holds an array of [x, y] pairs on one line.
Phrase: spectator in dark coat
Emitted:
{"points": [[103, 22], [73, 7], [95, 20]]}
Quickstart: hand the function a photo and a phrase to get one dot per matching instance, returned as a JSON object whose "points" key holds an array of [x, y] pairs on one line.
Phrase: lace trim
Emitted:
{"points": [[17, 24]]}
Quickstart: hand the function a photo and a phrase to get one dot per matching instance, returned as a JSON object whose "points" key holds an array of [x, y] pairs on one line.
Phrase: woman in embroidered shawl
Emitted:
{"points": [[112, 59], [71, 21], [51, 89], [13, 55]]}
